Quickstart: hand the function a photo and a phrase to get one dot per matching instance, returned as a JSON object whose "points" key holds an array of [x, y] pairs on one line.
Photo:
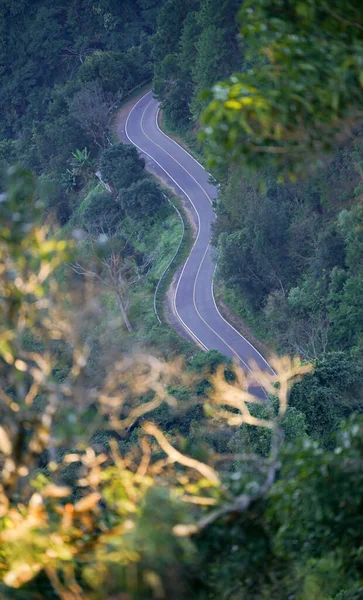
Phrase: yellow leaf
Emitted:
{"points": [[5, 443], [87, 503], [153, 580], [61, 245], [56, 491], [21, 573], [20, 365], [247, 100], [234, 104]]}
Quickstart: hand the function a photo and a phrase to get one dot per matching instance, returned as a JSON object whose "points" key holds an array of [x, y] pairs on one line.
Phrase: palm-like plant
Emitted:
{"points": [[81, 166]]}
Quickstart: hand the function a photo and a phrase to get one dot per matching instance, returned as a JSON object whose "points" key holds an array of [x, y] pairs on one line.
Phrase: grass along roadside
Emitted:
{"points": [[159, 283], [181, 255], [171, 236]]}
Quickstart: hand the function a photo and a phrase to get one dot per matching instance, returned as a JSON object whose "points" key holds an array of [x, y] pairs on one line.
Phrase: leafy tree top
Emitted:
{"points": [[303, 92]]}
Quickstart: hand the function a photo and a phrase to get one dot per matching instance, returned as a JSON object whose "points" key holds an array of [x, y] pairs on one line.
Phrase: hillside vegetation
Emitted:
{"points": [[283, 137], [132, 465]]}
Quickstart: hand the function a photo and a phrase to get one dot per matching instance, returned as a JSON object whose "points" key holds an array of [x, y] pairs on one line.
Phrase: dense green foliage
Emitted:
{"points": [[143, 199], [63, 70], [295, 253], [128, 238], [47, 50], [121, 166], [301, 89], [91, 507], [195, 44], [57, 102], [290, 254]]}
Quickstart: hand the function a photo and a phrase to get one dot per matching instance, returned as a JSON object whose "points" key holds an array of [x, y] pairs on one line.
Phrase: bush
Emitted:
{"points": [[121, 166], [102, 212], [143, 199]]}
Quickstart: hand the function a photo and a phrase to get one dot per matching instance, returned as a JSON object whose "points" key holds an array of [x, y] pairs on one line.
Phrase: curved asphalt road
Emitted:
{"points": [[194, 302]]}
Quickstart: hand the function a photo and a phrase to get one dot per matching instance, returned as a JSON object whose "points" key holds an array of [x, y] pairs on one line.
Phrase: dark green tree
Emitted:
{"points": [[142, 200], [101, 214], [330, 394], [121, 166]]}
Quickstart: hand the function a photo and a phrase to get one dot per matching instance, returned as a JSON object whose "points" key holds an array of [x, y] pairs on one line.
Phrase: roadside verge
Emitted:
{"points": [[165, 289]]}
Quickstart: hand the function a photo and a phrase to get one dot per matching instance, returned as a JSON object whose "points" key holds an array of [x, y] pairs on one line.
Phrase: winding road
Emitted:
{"points": [[194, 303]]}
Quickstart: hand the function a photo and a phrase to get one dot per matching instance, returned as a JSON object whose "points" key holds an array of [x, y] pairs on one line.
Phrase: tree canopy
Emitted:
{"points": [[121, 166], [301, 90]]}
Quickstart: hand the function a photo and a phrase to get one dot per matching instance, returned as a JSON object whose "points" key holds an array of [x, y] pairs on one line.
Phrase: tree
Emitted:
{"points": [[253, 256], [345, 297], [217, 50], [101, 214], [174, 89], [57, 200], [170, 24], [149, 10], [50, 492], [116, 73], [96, 500], [330, 394], [81, 165], [307, 94], [172, 82], [294, 544], [112, 265], [121, 166], [199, 47], [142, 200], [90, 109], [310, 327]]}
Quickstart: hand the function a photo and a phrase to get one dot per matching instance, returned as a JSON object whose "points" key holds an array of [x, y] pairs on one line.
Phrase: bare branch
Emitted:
{"points": [[176, 456]]}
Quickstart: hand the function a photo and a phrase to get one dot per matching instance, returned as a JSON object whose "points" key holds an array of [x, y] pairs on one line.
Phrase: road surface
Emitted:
{"points": [[194, 302]]}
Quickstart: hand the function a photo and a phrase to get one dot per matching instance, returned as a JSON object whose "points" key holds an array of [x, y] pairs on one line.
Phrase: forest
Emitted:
{"points": [[133, 465]]}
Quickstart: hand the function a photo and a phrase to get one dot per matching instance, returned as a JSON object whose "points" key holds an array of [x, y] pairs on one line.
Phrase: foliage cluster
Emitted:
{"points": [[57, 101], [122, 474], [290, 251], [302, 95], [293, 251], [63, 71], [139, 512], [196, 43]]}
